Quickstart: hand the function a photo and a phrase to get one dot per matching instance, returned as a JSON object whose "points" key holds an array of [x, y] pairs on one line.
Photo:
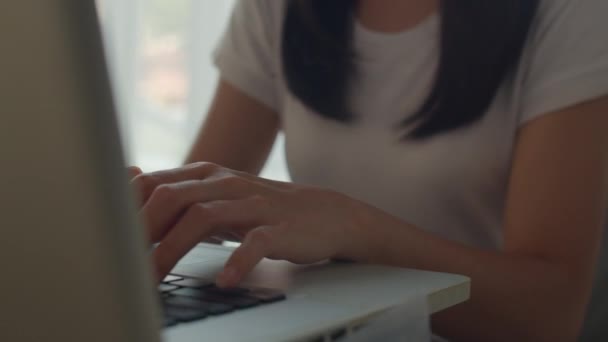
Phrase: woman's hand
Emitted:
{"points": [[133, 171], [277, 220]]}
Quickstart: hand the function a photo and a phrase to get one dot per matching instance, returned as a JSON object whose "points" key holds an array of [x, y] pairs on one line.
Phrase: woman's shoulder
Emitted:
{"points": [[262, 19], [566, 59], [271, 11], [569, 28], [554, 13]]}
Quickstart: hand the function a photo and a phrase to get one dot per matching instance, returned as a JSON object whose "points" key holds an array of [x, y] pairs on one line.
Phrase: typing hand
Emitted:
{"points": [[276, 220], [133, 171]]}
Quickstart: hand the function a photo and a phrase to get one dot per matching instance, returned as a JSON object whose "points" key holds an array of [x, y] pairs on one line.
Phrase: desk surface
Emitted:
{"points": [[334, 294], [443, 290]]}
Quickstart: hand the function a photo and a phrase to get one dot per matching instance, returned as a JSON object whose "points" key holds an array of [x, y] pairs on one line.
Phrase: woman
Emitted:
{"points": [[467, 137]]}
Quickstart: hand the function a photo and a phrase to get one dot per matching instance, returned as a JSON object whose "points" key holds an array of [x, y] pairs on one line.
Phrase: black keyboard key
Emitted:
{"points": [[171, 278], [188, 292], [192, 283], [227, 291], [169, 321], [262, 294], [184, 314], [337, 335], [240, 302], [240, 297], [211, 308], [167, 287]]}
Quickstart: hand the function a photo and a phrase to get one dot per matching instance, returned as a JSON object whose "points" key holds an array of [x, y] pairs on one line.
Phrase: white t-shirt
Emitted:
{"points": [[453, 185]]}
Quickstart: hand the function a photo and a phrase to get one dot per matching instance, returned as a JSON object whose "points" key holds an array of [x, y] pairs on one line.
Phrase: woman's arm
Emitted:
{"points": [[537, 288], [238, 133]]}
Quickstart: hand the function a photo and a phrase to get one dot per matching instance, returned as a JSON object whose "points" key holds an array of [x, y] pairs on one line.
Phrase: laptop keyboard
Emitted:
{"points": [[187, 299]]}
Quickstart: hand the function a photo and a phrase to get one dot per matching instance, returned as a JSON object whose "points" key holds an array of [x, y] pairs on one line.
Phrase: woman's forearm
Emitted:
{"points": [[514, 298]]}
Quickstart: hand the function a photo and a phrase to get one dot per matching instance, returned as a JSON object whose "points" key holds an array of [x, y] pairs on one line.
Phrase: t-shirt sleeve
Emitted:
{"points": [[246, 54], [568, 57]]}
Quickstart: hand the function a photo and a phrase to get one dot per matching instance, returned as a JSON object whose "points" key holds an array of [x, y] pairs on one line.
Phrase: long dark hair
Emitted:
{"points": [[481, 43]]}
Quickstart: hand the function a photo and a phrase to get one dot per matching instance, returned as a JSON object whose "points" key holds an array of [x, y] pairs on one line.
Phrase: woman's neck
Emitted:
{"points": [[395, 15]]}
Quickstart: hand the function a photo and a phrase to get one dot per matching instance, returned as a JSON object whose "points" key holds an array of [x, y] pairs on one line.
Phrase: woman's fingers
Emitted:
{"points": [[196, 223], [202, 221], [170, 201], [258, 244], [133, 171], [147, 183]]}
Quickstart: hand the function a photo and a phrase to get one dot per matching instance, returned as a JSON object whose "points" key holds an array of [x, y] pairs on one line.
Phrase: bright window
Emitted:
{"points": [[163, 76]]}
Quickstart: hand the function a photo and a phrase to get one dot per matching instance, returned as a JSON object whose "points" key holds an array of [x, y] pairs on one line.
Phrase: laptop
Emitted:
{"points": [[73, 256]]}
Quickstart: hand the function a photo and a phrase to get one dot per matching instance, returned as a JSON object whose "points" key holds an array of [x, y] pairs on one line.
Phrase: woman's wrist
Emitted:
{"points": [[368, 236]]}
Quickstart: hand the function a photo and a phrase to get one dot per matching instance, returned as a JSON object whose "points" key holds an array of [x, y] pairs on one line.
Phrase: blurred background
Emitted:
{"points": [[160, 56]]}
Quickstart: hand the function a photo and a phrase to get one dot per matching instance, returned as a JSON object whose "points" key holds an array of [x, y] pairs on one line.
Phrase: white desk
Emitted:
{"points": [[391, 287]]}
